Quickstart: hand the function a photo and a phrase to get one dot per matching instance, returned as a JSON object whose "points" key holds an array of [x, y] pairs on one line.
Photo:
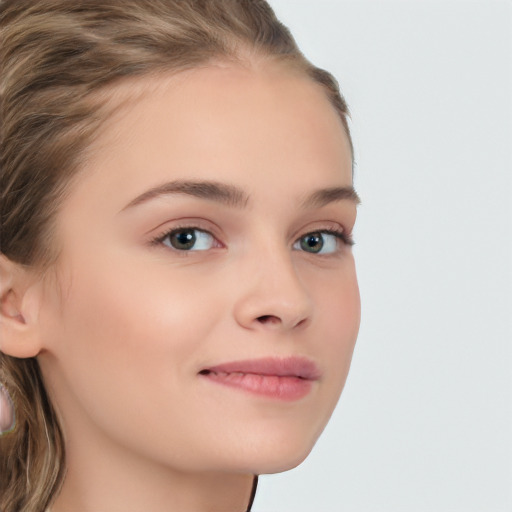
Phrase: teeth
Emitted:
{"points": [[221, 374]]}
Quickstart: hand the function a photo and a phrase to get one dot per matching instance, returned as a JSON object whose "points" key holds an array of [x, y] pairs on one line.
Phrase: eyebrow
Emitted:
{"points": [[231, 195]]}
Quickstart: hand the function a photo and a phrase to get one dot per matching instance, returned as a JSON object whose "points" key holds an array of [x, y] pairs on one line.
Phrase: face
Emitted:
{"points": [[206, 305]]}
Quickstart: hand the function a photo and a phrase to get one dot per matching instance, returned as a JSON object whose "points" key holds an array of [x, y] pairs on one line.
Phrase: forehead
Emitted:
{"points": [[222, 121]]}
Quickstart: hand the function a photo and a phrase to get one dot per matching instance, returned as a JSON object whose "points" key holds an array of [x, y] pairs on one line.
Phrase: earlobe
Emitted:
{"points": [[18, 328]]}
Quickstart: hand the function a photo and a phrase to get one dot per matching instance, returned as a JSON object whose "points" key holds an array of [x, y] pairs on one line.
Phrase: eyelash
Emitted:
{"points": [[346, 239]]}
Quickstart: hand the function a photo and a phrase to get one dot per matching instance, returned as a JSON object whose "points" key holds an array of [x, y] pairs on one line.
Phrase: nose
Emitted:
{"points": [[272, 295]]}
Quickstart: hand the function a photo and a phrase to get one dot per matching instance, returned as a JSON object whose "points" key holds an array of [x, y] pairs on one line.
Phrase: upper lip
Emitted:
{"points": [[281, 367]]}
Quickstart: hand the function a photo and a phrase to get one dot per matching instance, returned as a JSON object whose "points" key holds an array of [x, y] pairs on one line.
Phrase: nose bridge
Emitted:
{"points": [[271, 291]]}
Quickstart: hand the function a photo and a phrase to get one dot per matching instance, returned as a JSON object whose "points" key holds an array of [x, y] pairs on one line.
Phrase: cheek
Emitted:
{"points": [[130, 300], [339, 310], [344, 312], [125, 330], [337, 301]]}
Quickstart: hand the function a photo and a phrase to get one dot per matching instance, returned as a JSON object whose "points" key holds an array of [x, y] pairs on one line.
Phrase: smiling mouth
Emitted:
{"points": [[283, 379]]}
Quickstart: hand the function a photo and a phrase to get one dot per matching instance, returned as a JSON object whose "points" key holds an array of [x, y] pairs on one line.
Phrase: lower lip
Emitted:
{"points": [[287, 388]]}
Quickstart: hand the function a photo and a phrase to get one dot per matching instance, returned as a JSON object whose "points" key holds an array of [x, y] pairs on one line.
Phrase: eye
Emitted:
{"points": [[322, 242], [188, 239]]}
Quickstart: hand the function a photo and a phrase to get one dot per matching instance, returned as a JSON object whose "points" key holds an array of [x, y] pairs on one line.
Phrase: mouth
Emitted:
{"points": [[283, 379]]}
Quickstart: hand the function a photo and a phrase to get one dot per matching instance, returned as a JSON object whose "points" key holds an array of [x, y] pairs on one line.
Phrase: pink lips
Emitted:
{"points": [[284, 379]]}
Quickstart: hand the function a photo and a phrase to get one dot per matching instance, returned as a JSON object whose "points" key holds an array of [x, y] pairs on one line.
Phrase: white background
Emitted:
{"points": [[425, 421]]}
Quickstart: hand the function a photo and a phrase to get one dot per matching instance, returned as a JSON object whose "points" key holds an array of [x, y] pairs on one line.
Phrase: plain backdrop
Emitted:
{"points": [[425, 420]]}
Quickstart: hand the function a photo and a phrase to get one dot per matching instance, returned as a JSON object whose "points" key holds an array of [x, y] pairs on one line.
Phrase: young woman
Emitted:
{"points": [[179, 302]]}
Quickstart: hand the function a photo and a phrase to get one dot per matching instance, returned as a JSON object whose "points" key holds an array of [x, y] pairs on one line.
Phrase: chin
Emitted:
{"points": [[274, 456], [279, 465], [273, 444]]}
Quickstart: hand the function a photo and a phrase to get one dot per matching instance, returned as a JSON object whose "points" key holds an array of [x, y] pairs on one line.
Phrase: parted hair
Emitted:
{"points": [[57, 60]]}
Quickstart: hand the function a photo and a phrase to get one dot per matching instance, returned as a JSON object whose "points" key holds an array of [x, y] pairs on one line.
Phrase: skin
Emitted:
{"points": [[122, 326]]}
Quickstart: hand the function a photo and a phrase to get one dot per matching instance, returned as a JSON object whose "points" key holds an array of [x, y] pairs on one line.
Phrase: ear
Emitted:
{"points": [[19, 304]]}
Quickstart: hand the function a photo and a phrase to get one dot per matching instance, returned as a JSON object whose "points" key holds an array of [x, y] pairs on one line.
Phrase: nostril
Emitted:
{"points": [[268, 319]]}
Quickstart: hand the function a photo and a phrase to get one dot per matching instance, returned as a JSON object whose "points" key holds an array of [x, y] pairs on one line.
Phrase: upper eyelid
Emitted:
{"points": [[200, 225]]}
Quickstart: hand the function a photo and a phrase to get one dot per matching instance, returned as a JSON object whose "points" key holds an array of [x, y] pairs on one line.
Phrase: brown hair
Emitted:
{"points": [[56, 58]]}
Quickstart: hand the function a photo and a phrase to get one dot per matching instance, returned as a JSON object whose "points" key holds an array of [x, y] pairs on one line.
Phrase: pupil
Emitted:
{"points": [[312, 243], [183, 239]]}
